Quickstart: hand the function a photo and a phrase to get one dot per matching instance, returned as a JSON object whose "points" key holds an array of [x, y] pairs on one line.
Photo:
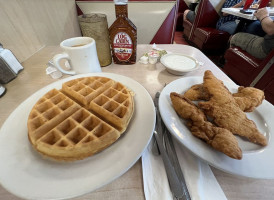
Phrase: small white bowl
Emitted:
{"points": [[179, 64]]}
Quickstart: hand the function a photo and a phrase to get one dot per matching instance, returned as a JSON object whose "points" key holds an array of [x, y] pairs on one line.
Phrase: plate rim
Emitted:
{"points": [[128, 82], [219, 157]]}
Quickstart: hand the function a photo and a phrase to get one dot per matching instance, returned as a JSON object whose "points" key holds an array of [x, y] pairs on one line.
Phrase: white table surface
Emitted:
{"points": [[236, 12], [153, 78]]}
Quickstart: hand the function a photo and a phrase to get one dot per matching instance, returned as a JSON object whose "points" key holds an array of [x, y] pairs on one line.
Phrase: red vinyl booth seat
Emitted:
{"points": [[187, 28], [243, 68], [266, 83], [203, 33], [210, 39]]}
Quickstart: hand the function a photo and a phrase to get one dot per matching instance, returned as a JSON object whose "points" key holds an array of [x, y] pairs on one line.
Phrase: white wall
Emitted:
{"points": [[28, 25]]}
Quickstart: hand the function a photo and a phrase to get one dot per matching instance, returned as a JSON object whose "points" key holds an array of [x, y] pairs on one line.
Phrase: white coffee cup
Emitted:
{"points": [[81, 54]]}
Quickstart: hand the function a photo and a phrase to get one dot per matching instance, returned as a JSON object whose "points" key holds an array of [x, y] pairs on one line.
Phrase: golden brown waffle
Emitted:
{"points": [[69, 124], [108, 99], [83, 90], [114, 106]]}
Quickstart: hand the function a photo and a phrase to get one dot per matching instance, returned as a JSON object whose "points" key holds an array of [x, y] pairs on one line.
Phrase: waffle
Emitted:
{"points": [[84, 117]]}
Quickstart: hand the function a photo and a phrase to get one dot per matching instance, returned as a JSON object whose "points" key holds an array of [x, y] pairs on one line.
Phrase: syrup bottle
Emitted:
{"points": [[123, 36]]}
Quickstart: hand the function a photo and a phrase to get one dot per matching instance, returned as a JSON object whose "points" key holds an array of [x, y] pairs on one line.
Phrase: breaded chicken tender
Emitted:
{"points": [[219, 138], [196, 92], [225, 111], [248, 98]]}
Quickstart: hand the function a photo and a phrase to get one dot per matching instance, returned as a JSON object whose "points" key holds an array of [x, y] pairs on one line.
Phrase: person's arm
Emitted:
{"points": [[266, 22], [238, 5]]}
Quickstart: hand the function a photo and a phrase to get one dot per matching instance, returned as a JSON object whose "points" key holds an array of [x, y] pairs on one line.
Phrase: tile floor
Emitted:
{"points": [[178, 38]]}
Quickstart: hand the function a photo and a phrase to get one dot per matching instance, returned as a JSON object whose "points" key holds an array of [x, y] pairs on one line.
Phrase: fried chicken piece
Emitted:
{"points": [[226, 113], [248, 98], [219, 138], [196, 92]]}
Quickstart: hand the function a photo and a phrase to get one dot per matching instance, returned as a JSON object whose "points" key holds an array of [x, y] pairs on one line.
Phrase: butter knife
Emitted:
{"points": [[175, 184], [171, 152]]}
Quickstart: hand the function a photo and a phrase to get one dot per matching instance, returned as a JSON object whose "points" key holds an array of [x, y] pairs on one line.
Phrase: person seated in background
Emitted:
{"points": [[254, 27], [190, 15], [255, 45], [228, 22]]}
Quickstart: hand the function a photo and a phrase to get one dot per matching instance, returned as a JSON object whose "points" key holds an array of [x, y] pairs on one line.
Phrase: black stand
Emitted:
{"points": [[246, 11]]}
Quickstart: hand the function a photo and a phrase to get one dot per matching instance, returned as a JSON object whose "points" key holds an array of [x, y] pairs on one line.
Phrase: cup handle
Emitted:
{"points": [[56, 61]]}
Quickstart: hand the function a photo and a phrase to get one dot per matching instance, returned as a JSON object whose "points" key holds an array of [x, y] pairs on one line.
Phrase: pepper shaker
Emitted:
{"points": [[9, 65], [2, 90]]}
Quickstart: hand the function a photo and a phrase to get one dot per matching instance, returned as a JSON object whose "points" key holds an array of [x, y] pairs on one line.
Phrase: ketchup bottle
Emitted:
{"points": [[123, 36]]}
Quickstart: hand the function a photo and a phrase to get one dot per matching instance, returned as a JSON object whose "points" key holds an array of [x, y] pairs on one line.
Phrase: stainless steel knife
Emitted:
{"points": [[171, 152], [177, 186]]}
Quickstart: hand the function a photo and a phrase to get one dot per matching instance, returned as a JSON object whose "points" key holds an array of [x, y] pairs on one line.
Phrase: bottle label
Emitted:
{"points": [[122, 46]]}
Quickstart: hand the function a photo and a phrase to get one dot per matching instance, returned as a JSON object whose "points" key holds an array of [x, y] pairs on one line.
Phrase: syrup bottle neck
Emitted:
{"points": [[121, 10]]}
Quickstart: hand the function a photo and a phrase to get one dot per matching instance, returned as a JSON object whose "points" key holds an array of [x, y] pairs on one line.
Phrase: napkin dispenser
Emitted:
{"points": [[2, 90], [9, 65]]}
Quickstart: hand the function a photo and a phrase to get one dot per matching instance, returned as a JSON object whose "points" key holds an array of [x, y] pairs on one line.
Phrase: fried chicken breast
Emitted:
{"points": [[225, 111], [196, 92], [247, 98], [219, 138]]}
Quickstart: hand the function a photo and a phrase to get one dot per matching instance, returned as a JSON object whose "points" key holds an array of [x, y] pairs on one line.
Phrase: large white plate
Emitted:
{"points": [[26, 174], [257, 161]]}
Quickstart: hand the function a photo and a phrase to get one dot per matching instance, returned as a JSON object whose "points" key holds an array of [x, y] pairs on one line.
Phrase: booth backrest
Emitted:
{"points": [[155, 19], [182, 6], [202, 33], [207, 14]]}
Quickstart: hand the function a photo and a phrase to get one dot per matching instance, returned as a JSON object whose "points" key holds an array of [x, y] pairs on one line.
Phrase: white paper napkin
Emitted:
{"points": [[200, 180]]}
